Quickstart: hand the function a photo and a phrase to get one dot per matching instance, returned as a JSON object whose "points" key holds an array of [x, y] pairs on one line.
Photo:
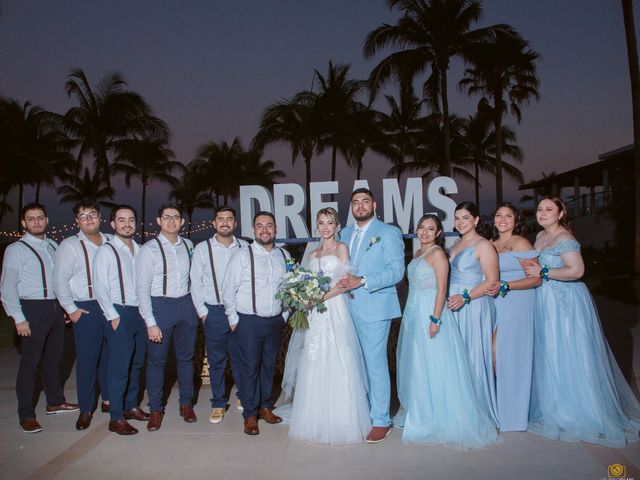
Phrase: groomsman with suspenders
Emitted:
{"points": [[163, 285], [26, 288], [210, 260], [73, 285], [115, 289], [255, 317]]}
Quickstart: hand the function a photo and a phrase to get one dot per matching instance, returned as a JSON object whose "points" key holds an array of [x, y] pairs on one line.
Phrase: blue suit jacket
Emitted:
{"points": [[382, 263]]}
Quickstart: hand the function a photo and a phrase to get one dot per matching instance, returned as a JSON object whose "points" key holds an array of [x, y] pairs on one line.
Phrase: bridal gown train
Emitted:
{"points": [[330, 396]]}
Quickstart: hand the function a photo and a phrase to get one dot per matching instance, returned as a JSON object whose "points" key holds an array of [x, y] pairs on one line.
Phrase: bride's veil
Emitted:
{"points": [[296, 343]]}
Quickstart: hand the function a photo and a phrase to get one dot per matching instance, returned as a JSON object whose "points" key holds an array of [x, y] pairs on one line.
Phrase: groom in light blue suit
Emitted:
{"points": [[377, 252]]}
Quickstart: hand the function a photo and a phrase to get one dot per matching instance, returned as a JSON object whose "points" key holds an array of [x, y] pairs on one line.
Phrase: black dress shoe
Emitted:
{"points": [[136, 413], [122, 427], [84, 420]]}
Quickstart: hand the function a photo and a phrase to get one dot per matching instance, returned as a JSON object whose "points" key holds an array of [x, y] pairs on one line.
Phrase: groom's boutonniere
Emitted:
{"points": [[372, 242]]}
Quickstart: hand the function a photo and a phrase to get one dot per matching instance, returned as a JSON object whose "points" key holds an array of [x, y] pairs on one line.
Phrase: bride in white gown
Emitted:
{"points": [[324, 367]]}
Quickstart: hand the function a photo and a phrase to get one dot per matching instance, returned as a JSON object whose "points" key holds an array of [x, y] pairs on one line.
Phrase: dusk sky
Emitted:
{"points": [[209, 68]]}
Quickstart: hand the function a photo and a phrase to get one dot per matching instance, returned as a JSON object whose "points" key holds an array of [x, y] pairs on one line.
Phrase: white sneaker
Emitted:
{"points": [[239, 406], [216, 416]]}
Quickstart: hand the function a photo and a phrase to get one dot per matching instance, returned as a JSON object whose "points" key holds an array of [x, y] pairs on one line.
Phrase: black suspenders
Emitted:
{"points": [[164, 265], [88, 267], [213, 272], [120, 277], [253, 276], [45, 289]]}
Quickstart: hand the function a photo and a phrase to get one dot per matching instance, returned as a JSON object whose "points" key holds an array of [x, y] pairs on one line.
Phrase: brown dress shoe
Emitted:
{"points": [[155, 420], [122, 427], [251, 426], [136, 413], [187, 413], [30, 425], [62, 408], [104, 407], [378, 434], [84, 420], [268, 416]]}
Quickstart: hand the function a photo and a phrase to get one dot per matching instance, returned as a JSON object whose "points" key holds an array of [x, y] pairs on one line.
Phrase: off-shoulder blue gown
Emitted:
{"points": [[514, 345], [475, 322], [437, 388], [578, 391]]}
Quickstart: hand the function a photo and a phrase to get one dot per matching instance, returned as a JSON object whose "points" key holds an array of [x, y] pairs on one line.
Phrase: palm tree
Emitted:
{"points": [[191, 193], [254, 170], [429, 150], [334, 107], [90, 186], [480, 144], [430, 33], [291, 121], [634, 74], [106, 115], [34, 149], [219, 164], [502, 69], [399, 129], [147, 159]]}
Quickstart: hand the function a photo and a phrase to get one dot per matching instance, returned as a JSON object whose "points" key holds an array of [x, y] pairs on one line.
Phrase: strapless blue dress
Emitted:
{"points": [[514, 345], [578, 391], [437, 388], [475, 322]]}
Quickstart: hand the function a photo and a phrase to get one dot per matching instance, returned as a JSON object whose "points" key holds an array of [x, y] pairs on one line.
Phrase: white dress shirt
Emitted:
{"points": [[270, 269], [149, 273], [70, 280], [22, 274], [202, 285], [106, 281]]}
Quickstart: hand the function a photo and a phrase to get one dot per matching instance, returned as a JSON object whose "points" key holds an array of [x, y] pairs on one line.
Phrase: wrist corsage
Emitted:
{"points": [[435, 320], [466, 296], [544, 273], [504, 288]]}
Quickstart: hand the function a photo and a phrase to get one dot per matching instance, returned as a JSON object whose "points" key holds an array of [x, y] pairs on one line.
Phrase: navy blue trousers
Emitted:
{"points": [[92, 355], [127, 346], [42, 350], [219, 344], [178, 320], [257, 342]]}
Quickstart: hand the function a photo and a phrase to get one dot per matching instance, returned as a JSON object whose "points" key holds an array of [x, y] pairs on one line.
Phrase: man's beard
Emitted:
{"points": [[364, 218], [259, 241], [126, 236]]}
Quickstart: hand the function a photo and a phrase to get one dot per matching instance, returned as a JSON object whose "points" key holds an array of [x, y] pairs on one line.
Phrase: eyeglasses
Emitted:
{"points": [[83, 217], [168, 218]]}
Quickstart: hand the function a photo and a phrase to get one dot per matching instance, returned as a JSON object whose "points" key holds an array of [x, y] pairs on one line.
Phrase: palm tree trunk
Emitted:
{"points": [[20, 204], [143, 211], [359, 169], [190, 217], [477, 182], [38, 192], [334, 154], [634, 73], [3, 207], [498, 130], [307, 183], [445, 168]]}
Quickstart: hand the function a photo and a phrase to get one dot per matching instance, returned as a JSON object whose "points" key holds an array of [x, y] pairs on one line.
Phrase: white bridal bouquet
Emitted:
{"points": [[302, 291]]}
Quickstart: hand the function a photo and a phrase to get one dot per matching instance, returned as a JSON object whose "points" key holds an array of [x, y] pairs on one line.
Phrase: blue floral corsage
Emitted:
{"points": [[504, 288], [544, 273], [466, 296], [435, 321]]}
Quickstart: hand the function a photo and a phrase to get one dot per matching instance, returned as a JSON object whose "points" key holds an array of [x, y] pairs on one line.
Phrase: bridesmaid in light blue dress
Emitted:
{"points": [[578, 391], [513, 333], [474, 279], [437, 388]]}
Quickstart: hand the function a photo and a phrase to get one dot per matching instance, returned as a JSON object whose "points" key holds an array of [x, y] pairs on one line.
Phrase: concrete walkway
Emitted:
{"points": [[194, 451]]}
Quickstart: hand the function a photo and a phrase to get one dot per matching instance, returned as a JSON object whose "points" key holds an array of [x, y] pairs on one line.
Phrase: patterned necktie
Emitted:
{"points": [[356, 241]]}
